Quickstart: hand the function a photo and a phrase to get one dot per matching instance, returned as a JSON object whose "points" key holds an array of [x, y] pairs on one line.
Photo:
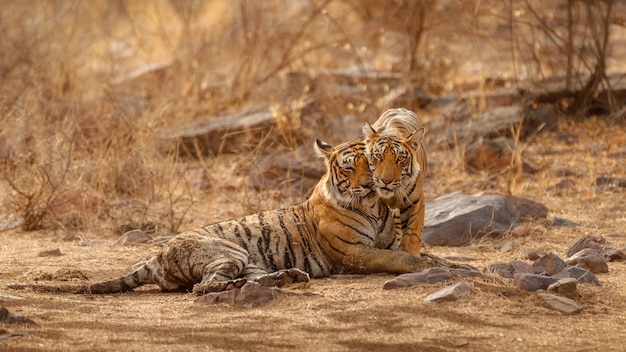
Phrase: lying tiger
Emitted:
{"points": [[342, 228], [397, 157]]}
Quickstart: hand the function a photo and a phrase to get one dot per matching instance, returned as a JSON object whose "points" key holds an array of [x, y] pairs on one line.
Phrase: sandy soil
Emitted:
{"points": [[347, 313]]}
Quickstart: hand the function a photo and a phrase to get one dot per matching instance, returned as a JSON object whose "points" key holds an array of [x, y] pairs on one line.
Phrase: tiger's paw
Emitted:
{"points": [[217, 286], [282, 277]]}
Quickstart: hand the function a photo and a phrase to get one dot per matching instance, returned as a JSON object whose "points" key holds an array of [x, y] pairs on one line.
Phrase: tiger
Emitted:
{"points": [[397, 158], [342, 228]]}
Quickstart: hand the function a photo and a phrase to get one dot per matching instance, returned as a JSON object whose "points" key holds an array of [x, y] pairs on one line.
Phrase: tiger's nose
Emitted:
{"points": [[386, 181]]}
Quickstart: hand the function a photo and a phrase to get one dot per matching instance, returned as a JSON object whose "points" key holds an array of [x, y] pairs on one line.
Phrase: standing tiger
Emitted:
{"points": [[397, 158], [342, 228]]}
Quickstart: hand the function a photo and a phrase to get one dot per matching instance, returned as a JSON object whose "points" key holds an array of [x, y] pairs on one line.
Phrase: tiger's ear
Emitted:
{"points": [[369, 133], [323, 149], [415, 138]]}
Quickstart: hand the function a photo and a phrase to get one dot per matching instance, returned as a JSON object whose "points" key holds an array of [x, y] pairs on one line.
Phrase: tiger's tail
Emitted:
{"points": [[143, 275]]}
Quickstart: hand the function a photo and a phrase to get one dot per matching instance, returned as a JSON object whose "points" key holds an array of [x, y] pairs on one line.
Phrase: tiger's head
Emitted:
{"points": [[348, 178], [392, 161]]}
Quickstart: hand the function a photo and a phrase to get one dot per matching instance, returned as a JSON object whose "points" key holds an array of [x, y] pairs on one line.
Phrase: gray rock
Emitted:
{"points": [[611, 181], [582, 275], [249, 295], [449, 293], [508, 270], [613, 254], [589, 241], [12, 318], [565, 287], [556, 221], [549, 264], [561, 304], [457, 219], [533, 254], [429, 276], [533, 282], [591, 259]]}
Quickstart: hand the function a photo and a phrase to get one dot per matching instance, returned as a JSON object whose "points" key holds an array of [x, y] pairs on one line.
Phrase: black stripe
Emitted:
{"points": [[240, 239], [288, 253], [183, 274]]}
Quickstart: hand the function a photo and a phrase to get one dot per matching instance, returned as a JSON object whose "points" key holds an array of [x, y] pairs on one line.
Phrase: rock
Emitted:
{"points": [[492, 123], [549, 264], [507, 247], [508, 270], [556, 221], [613, 254], [526, 208], [611, 181], [529, 209], [6, 296], [12, 318], [591, 259], [561, 304], [449, 293], [522, 230], [51, 253], [491, 155], [589, 241], [533, 254], [249, 295], [533, 282], [429, 276], [562, 186], [410, 97], [238, 131], [133, 237], [289, 172], [538, 119], [457, 219], [583, 276], [565, 287]]}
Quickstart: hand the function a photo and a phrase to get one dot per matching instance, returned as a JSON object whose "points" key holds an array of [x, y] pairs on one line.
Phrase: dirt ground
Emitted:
{"points": [[347, 313]]}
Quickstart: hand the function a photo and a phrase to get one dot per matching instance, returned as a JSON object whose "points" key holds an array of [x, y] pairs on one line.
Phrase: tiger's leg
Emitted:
{"points": [[220, 275], [203, 264], [278, 278], [412, 219]]}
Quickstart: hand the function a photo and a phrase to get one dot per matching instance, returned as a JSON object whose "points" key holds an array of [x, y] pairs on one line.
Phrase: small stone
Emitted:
{"points": [[611, 181], [533, 282], [522, 230], [533, 254], [133, 237], [12, 318], [565, 287], [556, 221], [507, 247], [429, 276], [549, 264], [588, 241], [613, 254], [502, 269], [591, 259], [490, 155], [51, 253], [521, 267], [561, 304], [583, 276], [449, 293]]}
